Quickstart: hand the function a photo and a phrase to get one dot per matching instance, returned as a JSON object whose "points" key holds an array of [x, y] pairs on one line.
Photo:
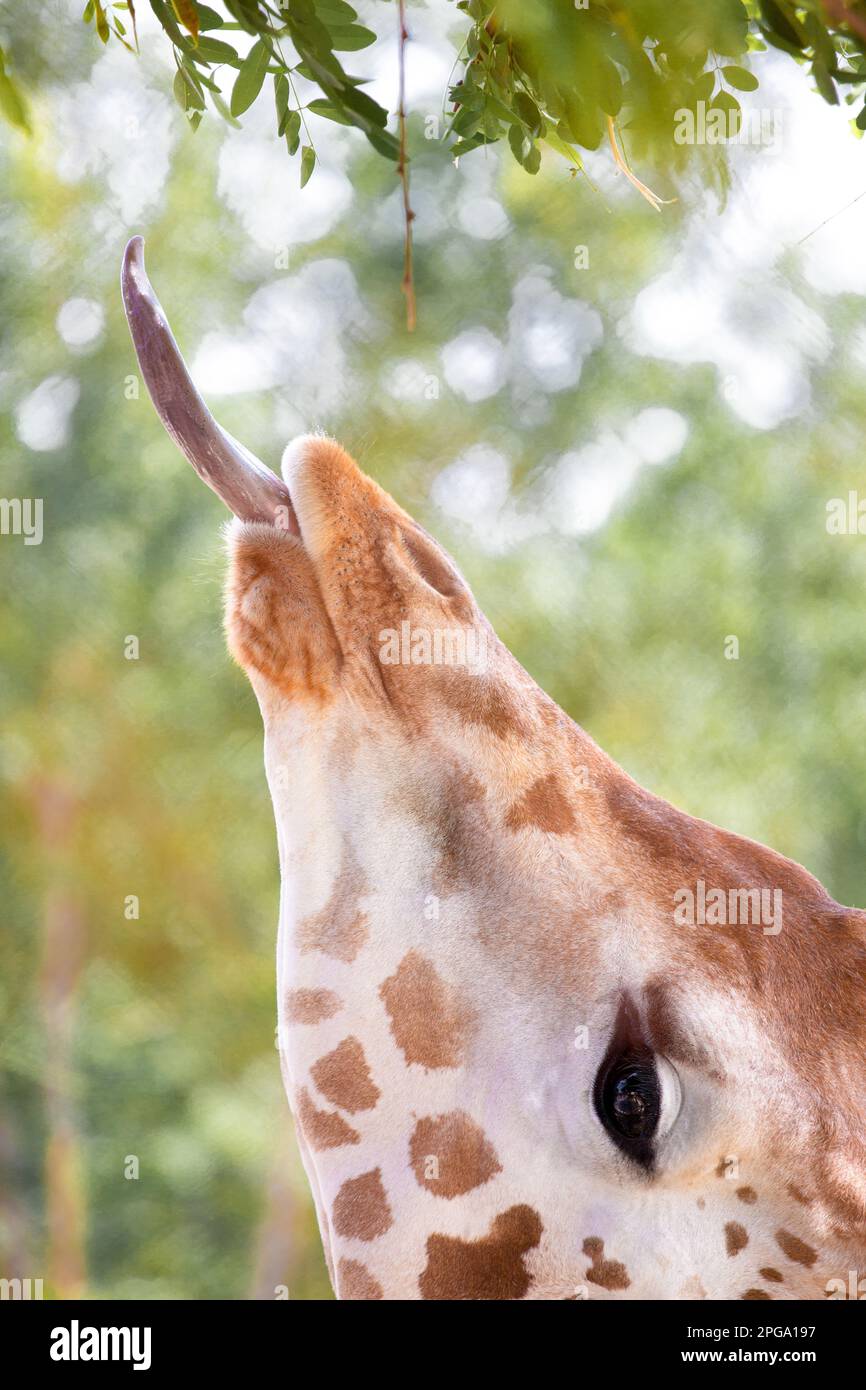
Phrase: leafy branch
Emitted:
{"points": [[318, 30], [561, 74], [549, 72], [564, 72]]}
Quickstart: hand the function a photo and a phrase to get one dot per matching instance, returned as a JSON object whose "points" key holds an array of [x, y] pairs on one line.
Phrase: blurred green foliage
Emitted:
{"points": [[565, 73], [152, 1036]]}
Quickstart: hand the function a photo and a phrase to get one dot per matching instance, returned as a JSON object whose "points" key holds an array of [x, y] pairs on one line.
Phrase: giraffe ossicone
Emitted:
{"points": [[555, 1085]]}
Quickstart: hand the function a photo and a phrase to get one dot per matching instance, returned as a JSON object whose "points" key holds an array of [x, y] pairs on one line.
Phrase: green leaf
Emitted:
{"points": [[466, 146], [313, 41], [368, 111], [822, 44], [525, 151], [518, 142], [181, 90], [467, 119], [491, 126], [293, 131], [741, 78], [384, 142], [704, 87], [248, 15], [529, 113], [733, 112], [196, 98], [861, 120], [102, 28], [349, 38], [216, 51], [825, 84], [168, 21], [281, 101], [610, 91], [583, 123], [12, 102], [249, 80], [780, 43], [532, 162], [780, 23], [208, 18], [465, 95], [335, 12], [330, 111], [495, 107], [308, 164], [187, 92]]}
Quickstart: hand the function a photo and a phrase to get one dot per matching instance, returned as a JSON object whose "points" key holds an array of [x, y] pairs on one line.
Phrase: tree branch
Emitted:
{"points": [[408, 285]]}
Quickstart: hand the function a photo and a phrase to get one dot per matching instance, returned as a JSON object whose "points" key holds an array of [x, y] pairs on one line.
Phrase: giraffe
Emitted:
{"points": [[544, 1035]]}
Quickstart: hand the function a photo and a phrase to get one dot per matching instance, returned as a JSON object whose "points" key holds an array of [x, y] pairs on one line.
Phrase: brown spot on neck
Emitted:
{"points": [[429, 1022], [799, 1195], [450, 1154], [340, 928], [747, 1195], [322, 1129], [483, 700], [545, 806], [796, 1249], [361, 1210], [608, 1274], [453, 821], [736, 1237], [344, 1079], [354, 1281], [490, 1268], [311, 1005]]}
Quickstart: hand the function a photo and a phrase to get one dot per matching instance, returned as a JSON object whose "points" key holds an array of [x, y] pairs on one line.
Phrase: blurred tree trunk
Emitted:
{"points": [[279, 1236], [16, 1251], [62, 960]]}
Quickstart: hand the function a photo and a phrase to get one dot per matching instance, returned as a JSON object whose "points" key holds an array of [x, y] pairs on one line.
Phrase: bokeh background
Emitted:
{"points": [[630, 458]]}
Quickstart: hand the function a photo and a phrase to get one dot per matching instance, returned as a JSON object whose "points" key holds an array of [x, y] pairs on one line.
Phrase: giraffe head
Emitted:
{"points": [[543, 1035]]}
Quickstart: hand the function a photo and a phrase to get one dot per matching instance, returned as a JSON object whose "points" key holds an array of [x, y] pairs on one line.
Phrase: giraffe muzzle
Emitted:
{"points": [[246, 485]]}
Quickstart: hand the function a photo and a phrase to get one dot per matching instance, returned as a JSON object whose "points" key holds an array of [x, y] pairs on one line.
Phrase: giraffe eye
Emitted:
{"points": [[635, 1093]]}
